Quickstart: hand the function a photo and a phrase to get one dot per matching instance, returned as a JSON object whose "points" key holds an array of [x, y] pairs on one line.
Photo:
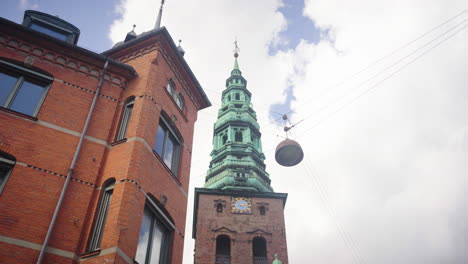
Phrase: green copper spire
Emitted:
{"points": [[237, 160]]}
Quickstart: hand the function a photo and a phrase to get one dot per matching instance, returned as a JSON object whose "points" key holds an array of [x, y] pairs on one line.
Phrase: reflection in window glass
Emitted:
{"points": [[160, 141], [144, 237], [169, 152], [7, 83], [27, 98], [167, 146], [49, 31], [154, 241], [158, 236], [21, 92]]}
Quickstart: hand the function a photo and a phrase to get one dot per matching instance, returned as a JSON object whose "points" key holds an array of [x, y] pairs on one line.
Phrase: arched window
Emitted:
{"points": [[156, 232], [223, 250], [179, 101], [170, 87], [126, 114], [101, 215], [238, 136], [219, 208], [259, 250], [7, 162]]}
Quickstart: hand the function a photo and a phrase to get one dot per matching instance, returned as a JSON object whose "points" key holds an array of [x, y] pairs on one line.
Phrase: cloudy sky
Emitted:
{"points": [[378, 90]]}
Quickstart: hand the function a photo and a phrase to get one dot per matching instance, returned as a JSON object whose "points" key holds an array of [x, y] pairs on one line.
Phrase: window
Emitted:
{"points": [[167, 145], [179, 101], [101, 215], [50, 30], [219, 208], [225, 139], [223, 250], [170, 87], [7, 162], [259, 251], [126, 114], [154, 240], [238, 136], [262, 210], [237, 96], [21, 89]]}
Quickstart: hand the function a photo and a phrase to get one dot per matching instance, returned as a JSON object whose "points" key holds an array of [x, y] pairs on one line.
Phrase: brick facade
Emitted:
{"points": [[44, 146], [240, 228]]}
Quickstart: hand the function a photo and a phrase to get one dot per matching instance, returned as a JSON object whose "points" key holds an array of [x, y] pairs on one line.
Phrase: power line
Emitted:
{"points": [[345, 236], [383, 58], [385, 69], [383, 80]]}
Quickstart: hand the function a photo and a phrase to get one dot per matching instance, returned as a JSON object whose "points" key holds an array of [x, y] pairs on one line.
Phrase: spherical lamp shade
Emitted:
{"points": [[289, 153]]}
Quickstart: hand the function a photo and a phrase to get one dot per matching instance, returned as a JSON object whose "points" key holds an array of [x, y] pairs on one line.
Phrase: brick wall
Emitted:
{"points": [[44, 147], [241, 228]]}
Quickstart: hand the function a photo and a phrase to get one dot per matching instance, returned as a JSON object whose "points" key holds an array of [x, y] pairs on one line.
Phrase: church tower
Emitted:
{"points": [[238, 218]]}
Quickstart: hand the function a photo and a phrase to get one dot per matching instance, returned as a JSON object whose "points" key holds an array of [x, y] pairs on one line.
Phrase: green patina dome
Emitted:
{"points": [[237, 160]]}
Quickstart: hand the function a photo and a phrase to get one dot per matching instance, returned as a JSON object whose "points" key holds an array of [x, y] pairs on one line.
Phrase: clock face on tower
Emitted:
{"points": [[241, 205]]}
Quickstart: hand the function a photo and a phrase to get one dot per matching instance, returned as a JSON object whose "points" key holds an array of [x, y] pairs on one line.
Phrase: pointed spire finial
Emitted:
{"points": [[236, 54], [131, 35], [181, 50], [158, 19], [236, 49]]}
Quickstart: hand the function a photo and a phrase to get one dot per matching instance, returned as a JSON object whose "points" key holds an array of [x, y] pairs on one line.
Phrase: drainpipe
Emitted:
{"points": [[72, 167]]}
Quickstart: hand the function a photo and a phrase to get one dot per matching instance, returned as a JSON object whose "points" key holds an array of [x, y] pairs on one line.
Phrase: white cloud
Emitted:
{"points": [[26, 4], [392, 164]]}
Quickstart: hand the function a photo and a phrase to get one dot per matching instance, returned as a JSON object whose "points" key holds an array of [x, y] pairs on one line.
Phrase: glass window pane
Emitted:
{"points": [[4, 170], [27, 98], [7, 83], [158, 147], [169, 87], [169, 152], [49, 31], [179, 102], [158, 236], [143, 240]]}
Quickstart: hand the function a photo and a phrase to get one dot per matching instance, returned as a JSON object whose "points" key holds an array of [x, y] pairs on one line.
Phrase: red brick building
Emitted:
{"points": [[95, 149]]}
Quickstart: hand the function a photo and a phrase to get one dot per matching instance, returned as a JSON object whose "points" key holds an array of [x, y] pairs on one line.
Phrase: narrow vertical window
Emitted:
{"points": [[7, 162], [238, 136], [101, 215], [223, 250], [126, 114], [167, 146], [225, 139], [170, 87], [259, 251], [262, 210], [180, 102], [154, 240], [219, 208], [237, 96]]}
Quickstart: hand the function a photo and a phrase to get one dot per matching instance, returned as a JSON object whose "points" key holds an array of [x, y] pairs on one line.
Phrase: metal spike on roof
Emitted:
{"points": [[158, 19]]}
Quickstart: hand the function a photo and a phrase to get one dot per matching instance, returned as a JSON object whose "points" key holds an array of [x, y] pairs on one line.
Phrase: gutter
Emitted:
{"points": [[72, 166]]}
